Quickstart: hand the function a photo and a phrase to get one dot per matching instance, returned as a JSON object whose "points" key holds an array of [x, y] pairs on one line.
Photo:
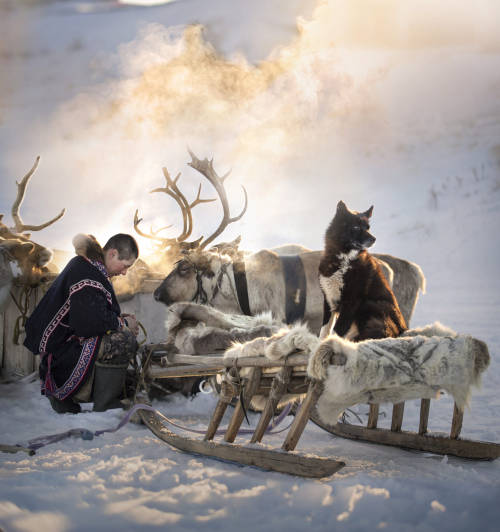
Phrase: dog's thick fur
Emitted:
{"points": [[355, 289]]}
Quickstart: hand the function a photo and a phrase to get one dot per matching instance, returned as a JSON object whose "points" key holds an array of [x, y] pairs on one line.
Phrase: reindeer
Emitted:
{"points": [[233, 281], [22, 261]]}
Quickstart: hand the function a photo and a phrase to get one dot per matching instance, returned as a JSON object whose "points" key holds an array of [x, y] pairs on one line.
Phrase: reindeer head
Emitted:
{"points": [[30, 257], [196, 277], [28, 260]]}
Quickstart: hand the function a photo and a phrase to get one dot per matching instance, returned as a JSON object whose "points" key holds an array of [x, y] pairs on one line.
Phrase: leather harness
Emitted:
{"points": [[295, 287]]}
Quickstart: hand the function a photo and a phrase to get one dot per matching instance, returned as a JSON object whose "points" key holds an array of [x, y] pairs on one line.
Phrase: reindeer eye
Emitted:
{"points": [[184, 268]]}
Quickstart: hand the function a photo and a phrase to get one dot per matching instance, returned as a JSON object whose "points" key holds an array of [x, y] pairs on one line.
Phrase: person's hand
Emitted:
{"points": [[131, 323]]}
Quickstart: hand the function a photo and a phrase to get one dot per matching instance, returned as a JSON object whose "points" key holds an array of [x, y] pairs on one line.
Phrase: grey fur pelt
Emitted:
{"points": [[199, 329], [279, 345], [416, 365]]}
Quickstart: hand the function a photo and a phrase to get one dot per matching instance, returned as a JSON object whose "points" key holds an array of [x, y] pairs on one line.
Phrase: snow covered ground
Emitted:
{"points": [[407, 119]]}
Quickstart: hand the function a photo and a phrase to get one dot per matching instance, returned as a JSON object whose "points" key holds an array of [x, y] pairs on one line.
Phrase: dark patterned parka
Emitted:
{"points": [[67, 326]]}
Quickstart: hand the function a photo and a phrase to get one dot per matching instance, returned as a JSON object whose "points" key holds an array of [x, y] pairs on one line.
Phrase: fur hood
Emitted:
{"points": [[88, 246]]}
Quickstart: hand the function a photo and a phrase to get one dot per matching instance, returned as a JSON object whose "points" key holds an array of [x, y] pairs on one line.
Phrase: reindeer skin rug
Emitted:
{"points": [[199, 329], [416, 365]]}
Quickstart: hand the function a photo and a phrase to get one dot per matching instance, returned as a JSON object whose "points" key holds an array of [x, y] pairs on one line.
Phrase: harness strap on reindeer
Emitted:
{"points": [[295, 288], [240, 279]]}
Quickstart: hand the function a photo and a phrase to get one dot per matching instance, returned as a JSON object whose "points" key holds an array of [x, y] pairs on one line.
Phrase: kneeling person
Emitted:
{"points": [[84, 342]]}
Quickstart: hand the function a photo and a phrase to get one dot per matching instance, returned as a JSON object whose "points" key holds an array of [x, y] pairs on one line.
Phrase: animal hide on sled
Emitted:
{"points": [[195, 329], [415, 365], [285, 341]]}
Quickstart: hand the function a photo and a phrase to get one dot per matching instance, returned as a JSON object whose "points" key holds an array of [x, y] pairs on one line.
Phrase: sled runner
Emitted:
{"points": [[421, 440], [265, 377]]}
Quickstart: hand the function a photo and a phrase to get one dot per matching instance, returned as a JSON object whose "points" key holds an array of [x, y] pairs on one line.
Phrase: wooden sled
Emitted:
{"points": [[272, 379], [421, 440]]}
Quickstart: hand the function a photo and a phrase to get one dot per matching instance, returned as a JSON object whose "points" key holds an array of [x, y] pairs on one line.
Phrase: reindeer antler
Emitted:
{"points": [[20, 226], [186, 209], [206, 168]]}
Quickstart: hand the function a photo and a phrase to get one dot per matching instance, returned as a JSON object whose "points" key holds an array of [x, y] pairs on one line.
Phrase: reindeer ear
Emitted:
{"points": [[14, 245], [341, 206], [196, 243], [27, 247]]}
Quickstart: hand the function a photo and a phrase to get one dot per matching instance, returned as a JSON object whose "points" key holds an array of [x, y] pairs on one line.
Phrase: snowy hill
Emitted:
{"points": [[308, 105]]}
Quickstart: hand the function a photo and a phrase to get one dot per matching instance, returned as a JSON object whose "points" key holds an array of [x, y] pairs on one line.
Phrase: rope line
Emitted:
{"points": [[85, 434]]}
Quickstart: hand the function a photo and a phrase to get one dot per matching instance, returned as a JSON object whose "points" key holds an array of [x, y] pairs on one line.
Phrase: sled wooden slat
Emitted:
{"points": [[267, 459], [228, 391], [373, 416], [278, 388], [302, 416], [456, 423], [425, 405], [243, 402], [219, 362], [215, 420], [192, 370], [397, 417]]}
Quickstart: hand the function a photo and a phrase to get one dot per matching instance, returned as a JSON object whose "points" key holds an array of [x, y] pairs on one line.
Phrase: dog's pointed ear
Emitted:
{"points": [[341, 206], [368, 213]]}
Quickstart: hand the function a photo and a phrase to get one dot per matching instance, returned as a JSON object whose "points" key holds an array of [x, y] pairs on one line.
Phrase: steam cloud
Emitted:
{"points": [[312, 123]]}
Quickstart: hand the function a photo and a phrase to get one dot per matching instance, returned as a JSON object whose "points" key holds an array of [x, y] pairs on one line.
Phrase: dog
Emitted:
{"points": [[358, 298]]}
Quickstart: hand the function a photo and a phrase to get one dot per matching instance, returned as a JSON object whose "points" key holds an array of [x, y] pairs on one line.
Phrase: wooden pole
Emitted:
{"points": [[278, 388], [302, 416], [228, 391], [456, 423], [425, 405], [397, 417], [252, 384], [373, 417]]}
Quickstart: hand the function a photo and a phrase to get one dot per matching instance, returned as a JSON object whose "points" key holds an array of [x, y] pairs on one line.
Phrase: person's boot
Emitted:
{"points": [[109, 380], [65, 406]]}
